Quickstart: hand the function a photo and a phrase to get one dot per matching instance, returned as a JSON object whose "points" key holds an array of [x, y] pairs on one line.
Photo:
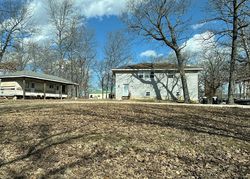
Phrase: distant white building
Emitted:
{"points": [[154, 81], [99, 94], [242, 88]]}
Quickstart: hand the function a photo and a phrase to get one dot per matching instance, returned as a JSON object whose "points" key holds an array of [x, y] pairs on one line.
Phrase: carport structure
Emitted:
{"points": [[27, 84]]}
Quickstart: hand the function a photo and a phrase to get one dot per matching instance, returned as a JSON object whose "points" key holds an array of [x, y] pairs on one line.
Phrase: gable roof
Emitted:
{"points": [[34, 75], [155, 66], [99, 91]]}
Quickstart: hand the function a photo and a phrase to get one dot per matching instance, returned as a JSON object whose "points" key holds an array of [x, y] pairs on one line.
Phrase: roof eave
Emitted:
{"points": [[28, 76], [158, 69]]}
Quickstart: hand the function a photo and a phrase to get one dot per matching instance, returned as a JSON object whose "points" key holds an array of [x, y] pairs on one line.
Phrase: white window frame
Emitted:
{"points": [[140, 74]]}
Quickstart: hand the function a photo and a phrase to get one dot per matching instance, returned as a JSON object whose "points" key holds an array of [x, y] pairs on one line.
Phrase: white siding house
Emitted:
{"points": [[156, 81]]}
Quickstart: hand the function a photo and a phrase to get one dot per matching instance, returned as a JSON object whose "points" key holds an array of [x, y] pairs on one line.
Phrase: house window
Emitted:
{"points": [[147, 75], [57, 88], [32, 85], [140, 74], [63, 89], [170, 76], [51, 86], [27, 85], [147, 93], [152, 74]]}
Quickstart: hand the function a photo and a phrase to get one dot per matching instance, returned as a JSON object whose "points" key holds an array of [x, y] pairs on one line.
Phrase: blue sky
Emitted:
{"points": [[109, 23], [103, 17]]}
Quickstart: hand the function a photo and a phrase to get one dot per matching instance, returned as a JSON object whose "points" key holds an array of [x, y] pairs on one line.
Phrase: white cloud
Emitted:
{"points": [[150, 53], [39, 12], [199, 42], [198, 26], [41, 35], [98, 8], [87, 8]]}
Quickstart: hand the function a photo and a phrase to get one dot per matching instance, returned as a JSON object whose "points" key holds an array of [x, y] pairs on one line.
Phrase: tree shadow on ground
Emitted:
{"points": [[193, 123], [47, 142], [190, 120], [24, 107]]}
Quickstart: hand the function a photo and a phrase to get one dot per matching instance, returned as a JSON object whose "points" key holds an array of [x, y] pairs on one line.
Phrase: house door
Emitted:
{"points": [[32, 87], [125, 90]]}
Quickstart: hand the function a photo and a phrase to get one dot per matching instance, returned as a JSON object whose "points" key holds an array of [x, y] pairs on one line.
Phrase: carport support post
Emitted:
{"points": [[76, 87], [44, 90], [61, 91], [244, 90], [24, 86], [78, 91]]}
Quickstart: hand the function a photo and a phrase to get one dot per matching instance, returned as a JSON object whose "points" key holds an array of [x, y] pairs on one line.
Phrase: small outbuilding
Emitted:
{"points": [[28, 84], [243, 88], [99, 94]]}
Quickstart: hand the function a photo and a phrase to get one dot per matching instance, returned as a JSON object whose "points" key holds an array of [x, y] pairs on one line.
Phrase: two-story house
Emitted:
{"points": [[154, 80]]}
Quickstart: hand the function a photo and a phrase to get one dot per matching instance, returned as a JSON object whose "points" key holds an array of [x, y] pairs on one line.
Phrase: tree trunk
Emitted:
{"points": [[183, 76], [1, 56], [111, 86], [102, 87], [231, 84], [107, 87]]}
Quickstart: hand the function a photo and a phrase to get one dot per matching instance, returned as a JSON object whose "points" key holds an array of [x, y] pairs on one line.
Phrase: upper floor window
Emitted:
{"points": [[147, 74], [152, 74], [170, 76], [140, 74]]}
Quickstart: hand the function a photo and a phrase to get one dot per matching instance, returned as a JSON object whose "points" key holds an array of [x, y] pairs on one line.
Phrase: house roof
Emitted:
{"points": [[99, 91], [155, 66], [34, 75]]}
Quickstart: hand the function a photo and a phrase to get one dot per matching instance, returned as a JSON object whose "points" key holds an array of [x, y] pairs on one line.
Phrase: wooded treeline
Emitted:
{"points": [[70, 51], [166, 22]]}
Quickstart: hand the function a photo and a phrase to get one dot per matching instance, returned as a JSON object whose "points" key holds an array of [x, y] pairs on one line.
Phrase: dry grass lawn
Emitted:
{"points": [[115, 140]]}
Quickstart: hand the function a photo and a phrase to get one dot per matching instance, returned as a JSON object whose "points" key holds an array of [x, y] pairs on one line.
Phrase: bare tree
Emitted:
{"points": [[20, 55], [63, 17], [81, 57], [34, 55], [215, 65], [8, 67], [42, 58], [233, 14], [100, 71], [163, 21], [14, 17], [117, 52], [245, 44]]}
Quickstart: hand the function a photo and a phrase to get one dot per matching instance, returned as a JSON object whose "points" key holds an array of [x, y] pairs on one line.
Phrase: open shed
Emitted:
{"points": [[28, 84]]}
